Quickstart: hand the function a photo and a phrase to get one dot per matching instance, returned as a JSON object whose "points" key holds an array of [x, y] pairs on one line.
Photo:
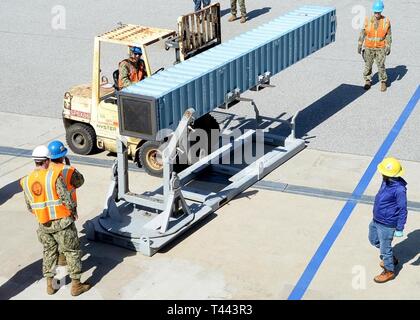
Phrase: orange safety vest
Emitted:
{"points": [[66, 171], [39, 187], [375, 38], [135, 74]]}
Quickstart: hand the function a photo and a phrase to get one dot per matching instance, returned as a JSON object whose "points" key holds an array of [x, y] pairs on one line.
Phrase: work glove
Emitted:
{"points": [[398, 233], [387, 50], [359, 49]]}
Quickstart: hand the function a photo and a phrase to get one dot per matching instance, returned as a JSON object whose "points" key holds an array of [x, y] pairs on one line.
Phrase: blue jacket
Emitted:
{"points": [[390, 206]]}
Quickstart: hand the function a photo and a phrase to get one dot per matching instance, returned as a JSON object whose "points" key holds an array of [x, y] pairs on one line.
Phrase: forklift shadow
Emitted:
{"points": [[312, 116], [407, 250]]}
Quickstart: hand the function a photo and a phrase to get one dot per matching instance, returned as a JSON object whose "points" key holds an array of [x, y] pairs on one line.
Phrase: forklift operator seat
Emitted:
{"points": [[115, 76]]}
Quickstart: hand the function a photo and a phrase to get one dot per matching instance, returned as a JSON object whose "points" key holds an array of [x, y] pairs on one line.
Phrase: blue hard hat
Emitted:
{"points": [[136, 50], [57, 149], [378, 6]]}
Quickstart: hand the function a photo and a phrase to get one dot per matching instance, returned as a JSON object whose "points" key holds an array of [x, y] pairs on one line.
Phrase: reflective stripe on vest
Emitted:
{"points": [[48, 187], [67, 172], [45, 204], [39, 187], [25, 186], [375, 38]]}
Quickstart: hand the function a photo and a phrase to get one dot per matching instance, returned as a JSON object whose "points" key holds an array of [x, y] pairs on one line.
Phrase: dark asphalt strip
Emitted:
{"points": [[103, 163], [263, 185]]}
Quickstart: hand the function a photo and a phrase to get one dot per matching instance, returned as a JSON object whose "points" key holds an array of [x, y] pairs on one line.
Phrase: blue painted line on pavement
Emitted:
{"points": [[326, 244]]}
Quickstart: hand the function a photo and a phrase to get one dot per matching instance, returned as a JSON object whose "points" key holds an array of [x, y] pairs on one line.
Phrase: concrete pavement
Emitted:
{"points": [[258, 245], [255, 247], [339, 115]]}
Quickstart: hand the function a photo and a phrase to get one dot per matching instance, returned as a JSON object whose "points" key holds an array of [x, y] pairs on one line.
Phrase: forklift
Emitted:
{"points": [[90, 111]]}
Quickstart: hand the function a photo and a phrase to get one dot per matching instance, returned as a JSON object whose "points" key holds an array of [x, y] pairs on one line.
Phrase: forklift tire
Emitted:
{"points": [[81, 138], [150, 159]]}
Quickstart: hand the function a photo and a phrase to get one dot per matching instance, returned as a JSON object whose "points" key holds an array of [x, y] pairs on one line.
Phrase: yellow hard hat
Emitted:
{"points": [[391, 167]]}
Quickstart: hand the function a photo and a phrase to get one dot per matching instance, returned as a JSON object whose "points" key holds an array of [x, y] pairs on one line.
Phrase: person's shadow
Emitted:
{"points": [[21, 280], [394, 74], [407, 249], [224, 12], [102, 258], [9, 190], [257, 12], [250, 15]]}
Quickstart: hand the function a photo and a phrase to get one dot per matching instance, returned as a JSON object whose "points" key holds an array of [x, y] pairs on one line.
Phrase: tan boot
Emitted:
{"points": [[383, 86], [384, 276], [50, 289], [368, 84], [243, 19], [78, 288], [233, 17], [61, 261]]}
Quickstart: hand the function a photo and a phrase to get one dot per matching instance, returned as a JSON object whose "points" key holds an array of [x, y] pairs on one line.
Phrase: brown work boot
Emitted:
{"points": [[383, 86], [233, 17], [368, 84], [382, 265], [384, 276], [243, 19], [50, 288], [78, 288], [61, 261]]}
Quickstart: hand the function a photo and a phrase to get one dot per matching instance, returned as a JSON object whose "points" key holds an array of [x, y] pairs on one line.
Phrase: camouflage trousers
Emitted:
{"points": [[61, 233], [234, 9], [370, 56]]}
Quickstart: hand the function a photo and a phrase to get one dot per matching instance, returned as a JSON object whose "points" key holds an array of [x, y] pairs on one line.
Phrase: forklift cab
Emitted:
{"points": [[90, 111]]}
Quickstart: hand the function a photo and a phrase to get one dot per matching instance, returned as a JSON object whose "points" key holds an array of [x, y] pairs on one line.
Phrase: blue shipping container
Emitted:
{"points": [[203, 81]]}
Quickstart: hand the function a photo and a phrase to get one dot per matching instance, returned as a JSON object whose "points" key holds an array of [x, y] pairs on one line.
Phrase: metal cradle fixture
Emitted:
{"points": [[172, 99]]}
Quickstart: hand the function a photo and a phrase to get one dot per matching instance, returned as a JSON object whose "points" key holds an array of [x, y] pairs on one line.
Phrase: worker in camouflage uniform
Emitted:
{"points": [[47, 197], [376, 37], [233, 10], [131, 70], [73, 178]]}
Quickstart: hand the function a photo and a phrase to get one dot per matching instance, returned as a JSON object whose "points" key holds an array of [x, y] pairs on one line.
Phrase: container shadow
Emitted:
{"points": [[310, 117]]}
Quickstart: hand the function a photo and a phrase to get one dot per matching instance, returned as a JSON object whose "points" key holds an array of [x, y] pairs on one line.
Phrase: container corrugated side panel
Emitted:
{"points": [[203, 81]]}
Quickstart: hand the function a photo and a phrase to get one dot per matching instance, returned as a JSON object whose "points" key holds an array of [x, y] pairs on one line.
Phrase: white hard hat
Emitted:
{"points": [[41, 153]]}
